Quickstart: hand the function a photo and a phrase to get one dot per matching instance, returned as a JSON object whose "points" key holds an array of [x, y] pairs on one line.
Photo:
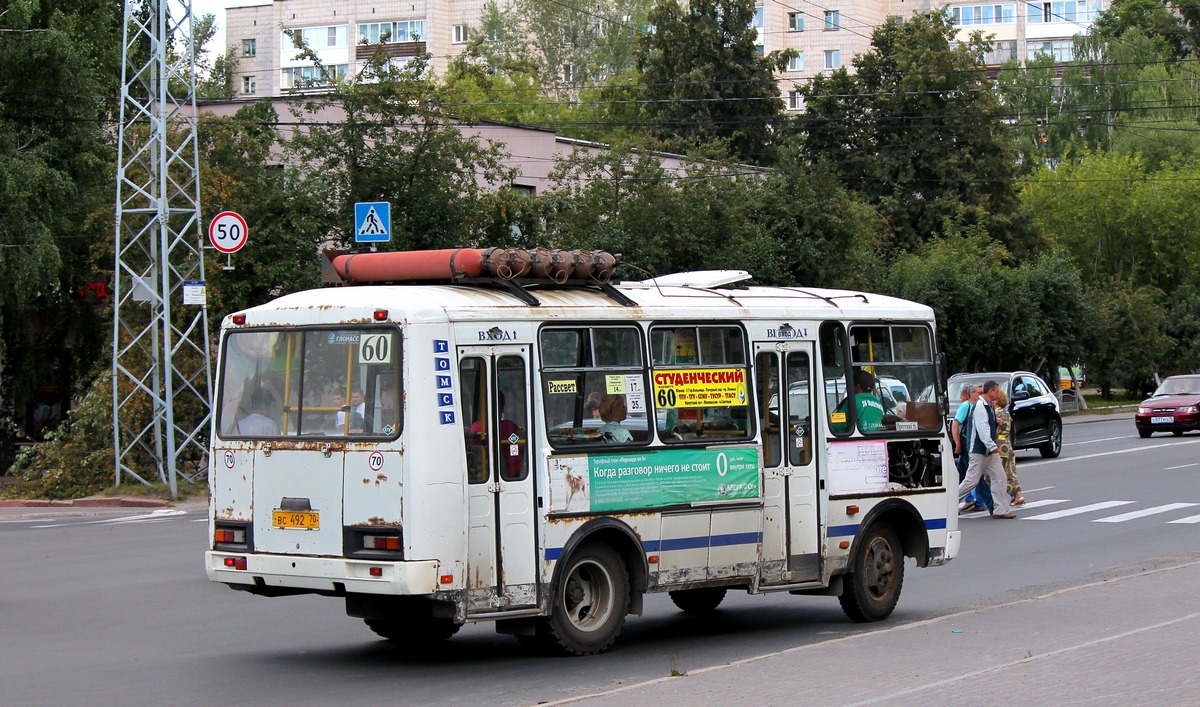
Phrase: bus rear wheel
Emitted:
{"points": [[416, 631], [590, 602], [872, 588], [698, 601]]}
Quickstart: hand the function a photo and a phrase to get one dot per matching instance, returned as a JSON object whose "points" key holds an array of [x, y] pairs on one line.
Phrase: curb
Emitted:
{"points": [[89, 502]]}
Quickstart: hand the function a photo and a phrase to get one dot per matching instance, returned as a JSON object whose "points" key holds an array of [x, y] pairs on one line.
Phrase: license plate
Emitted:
{"points": [[307, 520], [1166, 420]]}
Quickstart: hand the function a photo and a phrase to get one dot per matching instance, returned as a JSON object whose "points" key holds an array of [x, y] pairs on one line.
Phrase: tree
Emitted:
{"points": [[1126, 345], [918, 129], [702, 80], [394, 144], [239, 172], [1145, 234], [1176, 25], [56, 65]]}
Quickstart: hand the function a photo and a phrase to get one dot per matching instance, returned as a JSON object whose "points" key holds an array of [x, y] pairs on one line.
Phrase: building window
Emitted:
{"points": [[249, 84], [795, 100], [795, 21], [757, 22], [1062, 50], [796, 63], [390, 32], [249, 47], [312, 76], [568, 73], [460, 34], [833, 19], [1063, 11], [833, 59], [964, 15], [318, 37]]}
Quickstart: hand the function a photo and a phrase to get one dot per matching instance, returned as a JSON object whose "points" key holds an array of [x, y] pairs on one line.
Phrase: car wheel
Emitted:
{"points": [[871, 590], [1145, 434], [1053, 445], [592, 598]]}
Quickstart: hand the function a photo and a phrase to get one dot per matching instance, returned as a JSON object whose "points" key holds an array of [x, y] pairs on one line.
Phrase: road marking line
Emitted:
{"points": [[1189, 519], [1076, 511], [1028, 504], [162, 513], [1102, 439], [1060, 460], [1182, 466], [1143, 513]]}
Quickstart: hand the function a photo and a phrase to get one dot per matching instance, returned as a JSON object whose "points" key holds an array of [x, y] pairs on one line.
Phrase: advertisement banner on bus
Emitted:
{"points": [[701, 387], [610, 482]]}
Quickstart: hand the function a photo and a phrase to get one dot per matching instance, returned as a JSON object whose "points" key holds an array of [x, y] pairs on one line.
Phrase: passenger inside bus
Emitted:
{"points": [[259, 422], [613, 412], [866, 406], [506, 431]]}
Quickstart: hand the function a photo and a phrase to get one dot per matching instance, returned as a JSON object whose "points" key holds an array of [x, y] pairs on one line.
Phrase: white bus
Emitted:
{"points": [[429, 451]]}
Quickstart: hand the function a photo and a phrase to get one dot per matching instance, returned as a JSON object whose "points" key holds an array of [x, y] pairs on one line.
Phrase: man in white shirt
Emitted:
{"points": [[984, 457]]}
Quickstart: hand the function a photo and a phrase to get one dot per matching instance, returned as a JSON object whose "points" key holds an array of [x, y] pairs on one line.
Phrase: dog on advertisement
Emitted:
{"points": [[575, 485]]}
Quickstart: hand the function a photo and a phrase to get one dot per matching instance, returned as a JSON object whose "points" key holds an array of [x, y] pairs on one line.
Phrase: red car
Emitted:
{"points": [[1174, 407]]}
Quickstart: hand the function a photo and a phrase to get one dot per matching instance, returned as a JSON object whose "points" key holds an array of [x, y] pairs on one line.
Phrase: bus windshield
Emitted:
{"points": [[328, 382]]}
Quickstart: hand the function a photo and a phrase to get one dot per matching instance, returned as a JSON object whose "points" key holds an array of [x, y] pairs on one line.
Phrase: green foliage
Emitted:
{"points": [[1126, 340], [238, 174], [993, 314], [56, 63], [703, 82], [1146, 232], [76, 459], [918, 130], [1175, 25], [383, 137]]}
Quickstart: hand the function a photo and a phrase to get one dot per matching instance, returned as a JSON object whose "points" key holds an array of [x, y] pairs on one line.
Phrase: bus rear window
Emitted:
{"points": [[314, 382]]}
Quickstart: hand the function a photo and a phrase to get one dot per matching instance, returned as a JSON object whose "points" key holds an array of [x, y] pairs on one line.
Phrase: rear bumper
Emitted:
{"points": [[325, 574]]}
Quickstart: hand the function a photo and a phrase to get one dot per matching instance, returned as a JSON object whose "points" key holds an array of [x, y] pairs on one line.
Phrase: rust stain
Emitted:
{"points": [[381, 477], [366, 482]]}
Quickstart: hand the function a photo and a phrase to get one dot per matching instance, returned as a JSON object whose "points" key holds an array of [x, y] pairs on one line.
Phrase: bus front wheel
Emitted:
{"points": [[872, 588], [590, 602]]}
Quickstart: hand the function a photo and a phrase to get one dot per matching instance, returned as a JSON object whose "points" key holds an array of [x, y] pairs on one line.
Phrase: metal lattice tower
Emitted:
{"points": [[161, 367]]}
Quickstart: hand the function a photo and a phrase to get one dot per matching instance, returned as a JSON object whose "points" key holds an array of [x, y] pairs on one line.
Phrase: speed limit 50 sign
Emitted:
{"points": [[228, 232]]}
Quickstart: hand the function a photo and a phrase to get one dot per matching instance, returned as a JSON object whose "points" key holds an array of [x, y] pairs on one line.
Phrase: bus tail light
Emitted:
{"points": [[231, 535], [237, 563], [382, 542], [388, 543]]}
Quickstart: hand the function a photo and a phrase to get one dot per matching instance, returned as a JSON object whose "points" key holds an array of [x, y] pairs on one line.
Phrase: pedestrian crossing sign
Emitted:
{"points": [[372, 222]]}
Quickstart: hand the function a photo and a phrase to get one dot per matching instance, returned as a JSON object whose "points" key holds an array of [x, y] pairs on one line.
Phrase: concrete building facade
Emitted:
{"points": [[825, 36]]}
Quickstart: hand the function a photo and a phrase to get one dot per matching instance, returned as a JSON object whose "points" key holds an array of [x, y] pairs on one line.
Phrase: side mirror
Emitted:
{"points": [[1020, 395]]}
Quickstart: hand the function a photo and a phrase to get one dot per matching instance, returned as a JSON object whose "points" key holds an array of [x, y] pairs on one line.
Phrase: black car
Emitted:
{"points": [[1034, 407]]}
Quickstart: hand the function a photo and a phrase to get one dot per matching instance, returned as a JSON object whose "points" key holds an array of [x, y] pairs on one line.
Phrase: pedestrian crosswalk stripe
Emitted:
{"points": [[1189, 519], [1143, 513], [1076, 511]]}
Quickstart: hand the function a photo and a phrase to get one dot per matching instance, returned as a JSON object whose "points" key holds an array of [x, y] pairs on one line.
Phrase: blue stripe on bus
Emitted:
{"points": [[833, 531], [553, 553], [839, 531]]}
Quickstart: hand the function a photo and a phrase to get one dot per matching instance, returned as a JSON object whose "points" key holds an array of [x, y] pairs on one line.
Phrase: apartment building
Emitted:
{"points": [[826, 34]]}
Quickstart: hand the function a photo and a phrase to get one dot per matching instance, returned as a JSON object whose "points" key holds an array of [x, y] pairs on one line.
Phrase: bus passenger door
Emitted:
{"points": [[501, 540], [791, 529]]}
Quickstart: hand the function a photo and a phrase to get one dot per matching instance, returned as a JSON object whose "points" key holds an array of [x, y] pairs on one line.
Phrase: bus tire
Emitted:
{"points": [[871, 590], [698, 601], [590, 601], [414, 631]]}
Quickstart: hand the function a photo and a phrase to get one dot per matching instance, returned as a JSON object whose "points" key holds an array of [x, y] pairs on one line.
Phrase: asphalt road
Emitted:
{"points": [[115, 609]]}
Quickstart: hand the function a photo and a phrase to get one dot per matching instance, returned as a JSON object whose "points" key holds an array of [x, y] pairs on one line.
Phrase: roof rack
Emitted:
{"points": [[514, 270]]}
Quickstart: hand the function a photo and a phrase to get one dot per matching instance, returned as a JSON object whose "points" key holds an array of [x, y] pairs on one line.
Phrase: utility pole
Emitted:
{"points": [[161, 365]]}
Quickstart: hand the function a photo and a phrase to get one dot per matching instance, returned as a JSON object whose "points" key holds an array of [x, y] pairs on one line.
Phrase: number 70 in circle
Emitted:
{"points": [[228, 232]]}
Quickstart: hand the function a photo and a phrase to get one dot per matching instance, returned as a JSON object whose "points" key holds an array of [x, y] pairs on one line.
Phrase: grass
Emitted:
{"points": [[186, 490]]}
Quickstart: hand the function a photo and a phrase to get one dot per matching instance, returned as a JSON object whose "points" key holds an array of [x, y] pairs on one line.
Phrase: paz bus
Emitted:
{"points": [[422, 443]]}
